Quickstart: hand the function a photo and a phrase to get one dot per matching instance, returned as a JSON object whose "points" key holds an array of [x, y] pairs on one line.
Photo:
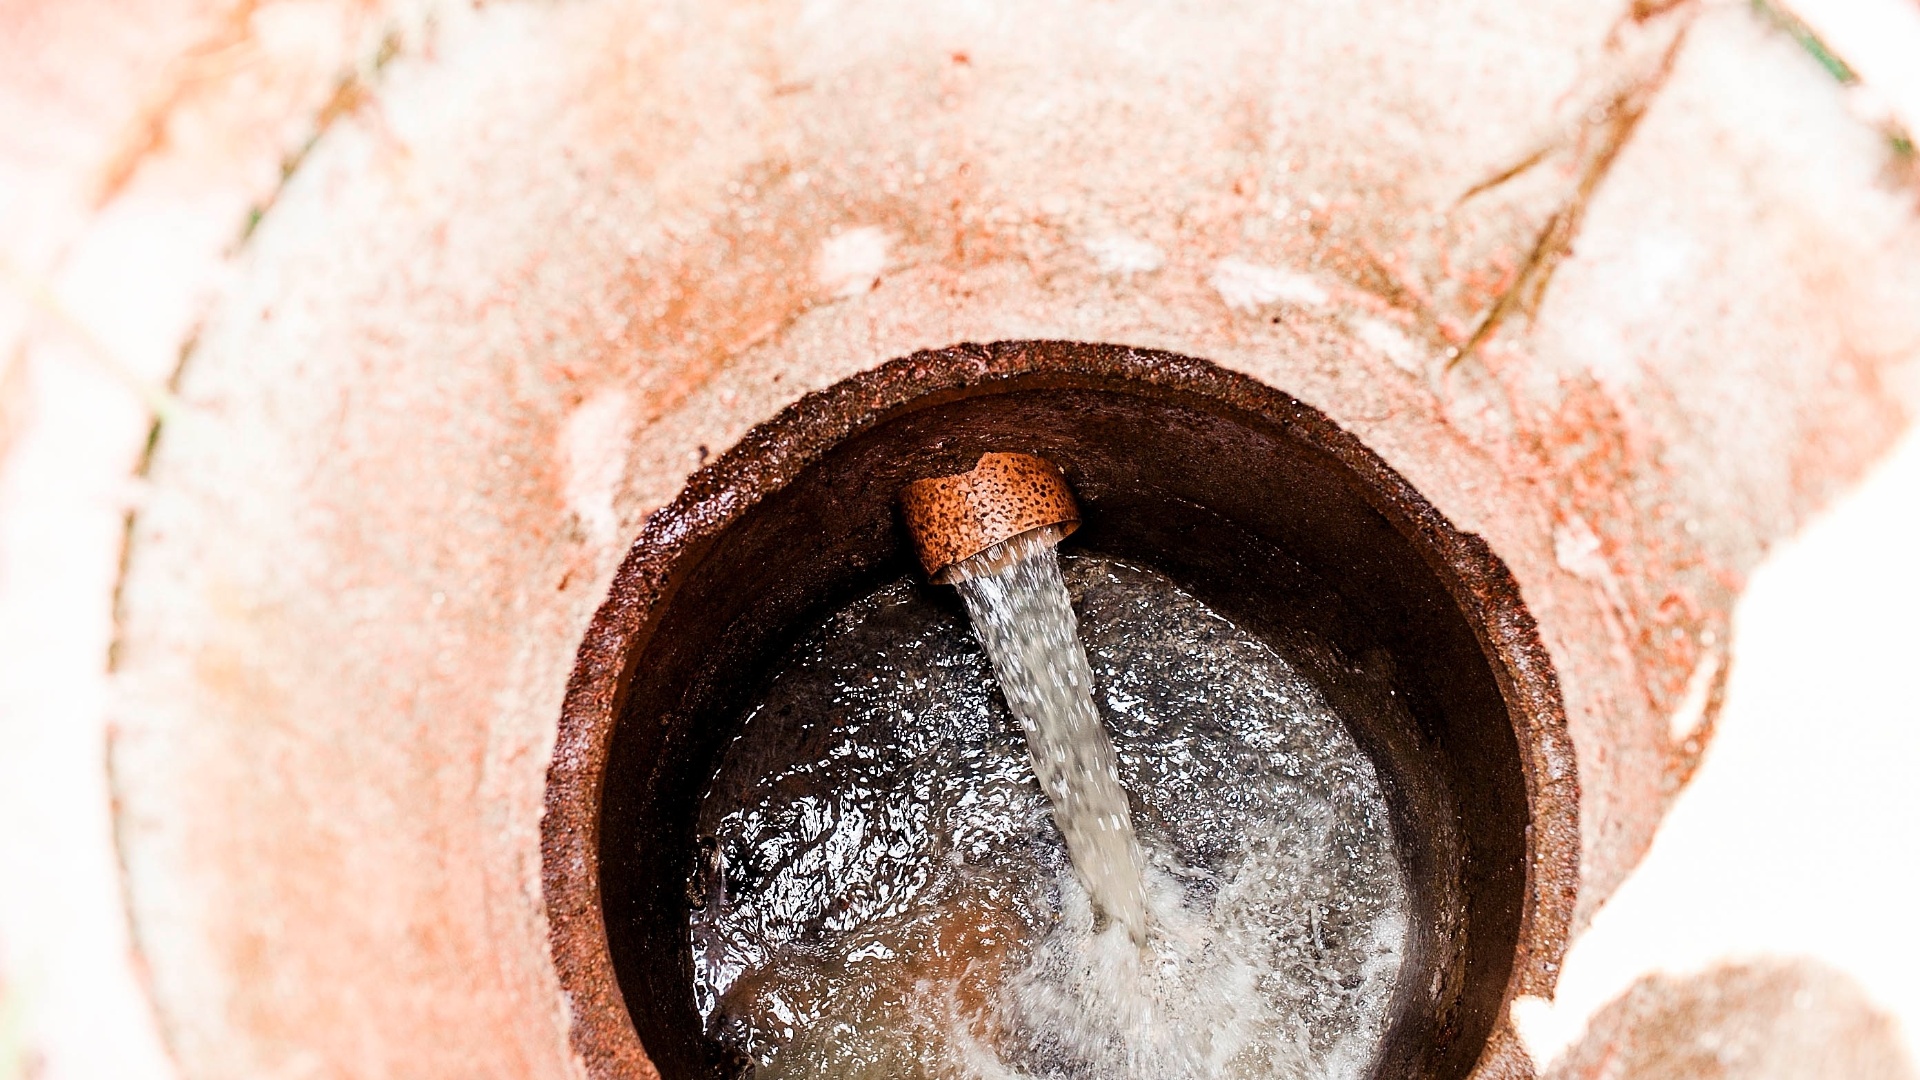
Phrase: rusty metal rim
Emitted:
{"points": [[773, 453]]}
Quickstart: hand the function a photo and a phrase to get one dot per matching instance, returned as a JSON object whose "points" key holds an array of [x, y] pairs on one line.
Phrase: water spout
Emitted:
{"points": [[991, 532]]}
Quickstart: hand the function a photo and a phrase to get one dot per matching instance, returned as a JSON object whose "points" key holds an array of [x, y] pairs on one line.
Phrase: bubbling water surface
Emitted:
{"points": [[884, 892]]}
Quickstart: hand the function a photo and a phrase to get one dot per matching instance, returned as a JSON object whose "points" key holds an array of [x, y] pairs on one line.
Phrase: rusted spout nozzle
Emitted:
{"points": [[954, 517]]}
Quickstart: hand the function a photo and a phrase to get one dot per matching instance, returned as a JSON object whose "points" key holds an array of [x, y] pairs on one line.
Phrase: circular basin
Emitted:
{"points": [[1256, 504]]}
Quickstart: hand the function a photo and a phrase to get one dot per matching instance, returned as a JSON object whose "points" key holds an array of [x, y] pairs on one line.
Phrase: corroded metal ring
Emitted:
{"points": [[1004, 495]]}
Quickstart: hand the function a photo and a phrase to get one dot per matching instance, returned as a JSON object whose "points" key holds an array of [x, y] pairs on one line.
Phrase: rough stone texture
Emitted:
{"points": [[134, 137], [575, 250], [1798, 835]]}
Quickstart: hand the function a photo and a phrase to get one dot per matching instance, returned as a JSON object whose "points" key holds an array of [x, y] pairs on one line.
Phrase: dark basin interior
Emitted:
{"points": [[1242, 496]]}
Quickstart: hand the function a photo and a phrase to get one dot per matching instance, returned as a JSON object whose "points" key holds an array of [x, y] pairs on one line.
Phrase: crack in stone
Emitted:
{"points": [[1618, 118]]}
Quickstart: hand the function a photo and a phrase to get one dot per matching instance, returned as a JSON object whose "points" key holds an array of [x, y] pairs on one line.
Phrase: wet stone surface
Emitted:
{"points": [[883, 891]]}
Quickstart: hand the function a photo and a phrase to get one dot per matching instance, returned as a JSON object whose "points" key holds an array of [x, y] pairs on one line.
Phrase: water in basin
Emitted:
{"points": [[885, 890]]}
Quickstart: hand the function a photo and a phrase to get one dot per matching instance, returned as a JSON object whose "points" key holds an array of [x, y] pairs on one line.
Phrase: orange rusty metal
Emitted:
{"points": [[953, 518]]}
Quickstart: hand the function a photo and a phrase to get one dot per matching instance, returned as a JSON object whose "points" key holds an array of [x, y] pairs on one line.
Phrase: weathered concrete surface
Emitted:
{"points": [[1799, 836], [134, 136], [574, 250]]}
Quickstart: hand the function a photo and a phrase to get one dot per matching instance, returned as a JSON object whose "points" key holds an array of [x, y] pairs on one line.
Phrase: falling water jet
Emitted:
{"points": [[991, 533]]}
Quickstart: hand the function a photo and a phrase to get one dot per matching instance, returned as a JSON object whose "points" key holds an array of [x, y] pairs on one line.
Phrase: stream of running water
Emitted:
{"points": [[1021, 614]]}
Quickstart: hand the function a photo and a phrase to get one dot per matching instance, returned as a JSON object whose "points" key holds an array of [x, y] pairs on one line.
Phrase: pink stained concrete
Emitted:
{"points": [[573, 246]]}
